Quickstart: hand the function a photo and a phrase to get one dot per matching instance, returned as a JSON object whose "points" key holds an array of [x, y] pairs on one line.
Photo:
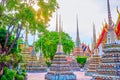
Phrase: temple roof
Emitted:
{"points": [[82, 50], [102, 38]]}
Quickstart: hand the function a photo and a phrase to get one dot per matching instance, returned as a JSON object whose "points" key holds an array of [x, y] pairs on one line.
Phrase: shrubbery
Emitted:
{"points": [[48, 64], [9, 74], [19, 77], [81, 60], [3, 77]]}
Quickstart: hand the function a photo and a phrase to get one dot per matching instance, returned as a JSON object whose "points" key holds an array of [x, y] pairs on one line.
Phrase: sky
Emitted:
{"points": [[89, 12]]}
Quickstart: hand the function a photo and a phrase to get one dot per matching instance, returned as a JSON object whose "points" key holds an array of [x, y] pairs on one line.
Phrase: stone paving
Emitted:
{"points": [[41, 76], [81, 76]]}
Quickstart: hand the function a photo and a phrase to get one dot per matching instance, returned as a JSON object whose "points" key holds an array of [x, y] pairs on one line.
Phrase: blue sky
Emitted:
{"points": [[88, 11]]}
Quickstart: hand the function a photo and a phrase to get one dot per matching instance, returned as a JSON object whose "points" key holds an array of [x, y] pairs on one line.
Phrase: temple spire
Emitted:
{"points": [[60, 29], [118, 11], [26, 36], [60, 47], [33, 53], [111, 35], [26, 39], [56, 22], [94, 36], [77, 37], [95, 50], [109, 15]]}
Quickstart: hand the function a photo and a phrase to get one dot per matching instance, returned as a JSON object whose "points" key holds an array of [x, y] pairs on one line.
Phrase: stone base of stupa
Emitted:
{"points": [[35, 66], [34, 69], [89, 73], [74, 65], [105, 77], [60, 69], [60, 76]]}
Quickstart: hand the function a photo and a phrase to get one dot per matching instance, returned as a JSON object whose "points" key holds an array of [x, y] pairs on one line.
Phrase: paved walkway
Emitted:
{"points": [[41, 76], [36, 76], [81, 76]]}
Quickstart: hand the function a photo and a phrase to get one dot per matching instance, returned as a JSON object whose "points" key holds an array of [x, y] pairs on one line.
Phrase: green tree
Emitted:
{"points": [[49, 42], [23, 10]]}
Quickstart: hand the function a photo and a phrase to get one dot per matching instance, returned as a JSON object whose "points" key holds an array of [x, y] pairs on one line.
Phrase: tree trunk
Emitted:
{"points": [[18, 31], [1, 72], [7, 34], [1, 68], [0, 14]]}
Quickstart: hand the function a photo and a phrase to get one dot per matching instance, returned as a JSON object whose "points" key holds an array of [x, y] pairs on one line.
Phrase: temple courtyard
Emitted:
{"points": [[41, 76]]}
